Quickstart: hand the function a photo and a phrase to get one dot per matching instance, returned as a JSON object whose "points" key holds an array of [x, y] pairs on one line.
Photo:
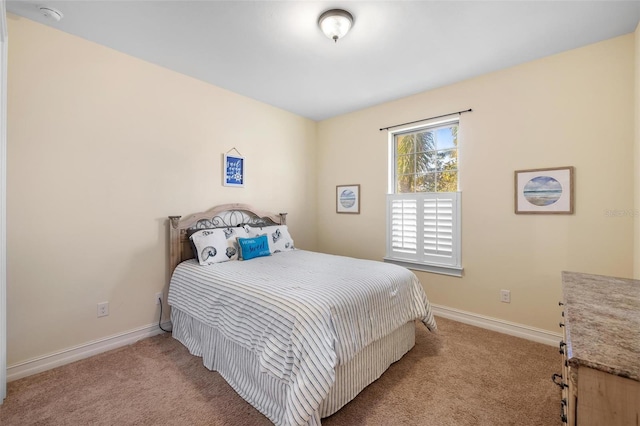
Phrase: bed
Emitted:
{"points": [[297, 334]]}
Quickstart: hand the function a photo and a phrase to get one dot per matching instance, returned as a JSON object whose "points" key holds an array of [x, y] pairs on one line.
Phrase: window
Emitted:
{"points": [[423, 205]]}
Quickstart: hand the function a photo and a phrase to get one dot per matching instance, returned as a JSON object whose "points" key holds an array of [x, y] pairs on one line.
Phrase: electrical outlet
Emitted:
{"points": [[158, 298], [103, 309], [505, 296]]}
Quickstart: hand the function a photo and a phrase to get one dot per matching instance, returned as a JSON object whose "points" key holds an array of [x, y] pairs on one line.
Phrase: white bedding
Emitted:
{"points": [[301, 314]]}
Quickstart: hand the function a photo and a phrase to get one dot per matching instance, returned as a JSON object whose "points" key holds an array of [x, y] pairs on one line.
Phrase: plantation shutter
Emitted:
{"points": [[404, 226], [439, 227], [424, 228]]}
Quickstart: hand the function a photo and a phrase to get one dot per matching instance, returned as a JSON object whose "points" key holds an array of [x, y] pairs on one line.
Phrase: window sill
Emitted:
{"points": [[454, 271]]}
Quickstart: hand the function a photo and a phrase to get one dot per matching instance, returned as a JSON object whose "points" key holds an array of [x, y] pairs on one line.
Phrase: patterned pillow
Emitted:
{"points": [[217, 245], [254, 247], [278, 236]]}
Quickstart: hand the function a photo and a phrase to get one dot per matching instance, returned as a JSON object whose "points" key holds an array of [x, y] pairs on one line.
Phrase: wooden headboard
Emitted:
{"points": [[223, 216]]}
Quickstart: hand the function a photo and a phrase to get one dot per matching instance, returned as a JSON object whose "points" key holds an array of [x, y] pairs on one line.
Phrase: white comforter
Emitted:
{"points": [[301, 313]]}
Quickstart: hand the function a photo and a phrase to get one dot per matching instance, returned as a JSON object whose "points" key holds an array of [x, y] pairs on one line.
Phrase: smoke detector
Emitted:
{"points": [[50, 13]]}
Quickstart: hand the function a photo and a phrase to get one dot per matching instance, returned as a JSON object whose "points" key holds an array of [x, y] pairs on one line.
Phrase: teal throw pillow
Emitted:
{"points": [[254, 247]]}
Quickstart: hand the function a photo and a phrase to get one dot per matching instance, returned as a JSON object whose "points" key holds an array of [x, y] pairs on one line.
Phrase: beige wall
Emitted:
{"points": [[102, 147], [572, 109], [636, 245]]}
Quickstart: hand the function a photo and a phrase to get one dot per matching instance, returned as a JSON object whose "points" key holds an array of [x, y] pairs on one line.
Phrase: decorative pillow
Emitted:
{"points": [[190, 232], [278, 235], [217, 245], [254, 247]]}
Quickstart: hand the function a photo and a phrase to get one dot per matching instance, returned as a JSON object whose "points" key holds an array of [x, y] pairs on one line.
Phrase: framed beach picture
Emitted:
{"points": [[544, 191], [233, 170], [348, 199]]}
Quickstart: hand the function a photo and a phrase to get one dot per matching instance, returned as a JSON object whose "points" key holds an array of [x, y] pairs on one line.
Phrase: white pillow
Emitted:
{"points": [[278, 236], [217, 245]]}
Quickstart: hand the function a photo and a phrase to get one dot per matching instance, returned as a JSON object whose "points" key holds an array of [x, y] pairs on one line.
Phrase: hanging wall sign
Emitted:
{"points": [[233, 171]]}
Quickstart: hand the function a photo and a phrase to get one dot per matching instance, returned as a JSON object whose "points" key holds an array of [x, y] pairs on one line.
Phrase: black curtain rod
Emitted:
{"points": [[424, 119]]}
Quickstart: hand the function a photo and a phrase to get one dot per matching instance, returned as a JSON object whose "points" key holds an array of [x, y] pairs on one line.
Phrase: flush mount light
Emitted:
{"points": [[50, 13], [335, 23]]}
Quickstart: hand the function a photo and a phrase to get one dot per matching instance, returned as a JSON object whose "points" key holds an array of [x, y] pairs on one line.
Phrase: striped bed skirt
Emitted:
{"points": [[240, 368]]}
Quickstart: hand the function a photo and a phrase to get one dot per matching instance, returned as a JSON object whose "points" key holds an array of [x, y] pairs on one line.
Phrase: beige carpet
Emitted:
{"points": [[462, 375]]}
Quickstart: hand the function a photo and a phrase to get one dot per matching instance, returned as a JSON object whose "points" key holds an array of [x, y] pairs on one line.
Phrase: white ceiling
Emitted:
{"points": [[273, 51]]}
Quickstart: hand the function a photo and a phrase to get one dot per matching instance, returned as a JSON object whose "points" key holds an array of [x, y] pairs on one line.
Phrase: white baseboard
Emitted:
{"points": [[501, 326], [66, 356]]}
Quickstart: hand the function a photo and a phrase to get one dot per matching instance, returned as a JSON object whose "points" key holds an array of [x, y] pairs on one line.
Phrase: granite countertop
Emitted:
{"points": [[602, 320]]}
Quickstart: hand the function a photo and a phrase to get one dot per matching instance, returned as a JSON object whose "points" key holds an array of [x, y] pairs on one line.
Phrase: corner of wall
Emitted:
{"points": [[636, 227], [3, 200]]}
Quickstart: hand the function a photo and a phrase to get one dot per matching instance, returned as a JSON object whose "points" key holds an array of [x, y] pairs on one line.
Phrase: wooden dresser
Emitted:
{"points": [[600, 377]]}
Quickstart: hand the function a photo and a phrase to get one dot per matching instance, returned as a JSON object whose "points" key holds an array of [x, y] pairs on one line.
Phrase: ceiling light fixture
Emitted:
{"points": [[335, 23], [50, 13]]}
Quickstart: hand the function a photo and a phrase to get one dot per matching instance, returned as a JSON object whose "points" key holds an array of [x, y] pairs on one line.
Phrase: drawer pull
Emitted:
{"points": [[560, 304], [561, 324], [562, 345], [560, 384], [563, 417], [563, 402], [557, 376]]}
